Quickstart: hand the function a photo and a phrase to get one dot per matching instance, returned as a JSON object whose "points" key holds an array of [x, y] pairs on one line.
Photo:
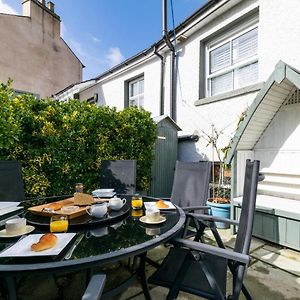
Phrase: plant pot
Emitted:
{"points": [[220, 210]]}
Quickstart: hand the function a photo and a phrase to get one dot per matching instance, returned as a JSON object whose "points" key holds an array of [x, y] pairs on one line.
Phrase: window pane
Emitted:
{"points": [[244, 46], [246, 75], [141, 86], [133, 102], [221, 84], [220, 58], [141, 101], [134, 89]]}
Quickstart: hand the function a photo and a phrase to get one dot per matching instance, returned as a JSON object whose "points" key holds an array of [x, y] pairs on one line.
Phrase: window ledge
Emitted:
{"points": [[229, 95]]}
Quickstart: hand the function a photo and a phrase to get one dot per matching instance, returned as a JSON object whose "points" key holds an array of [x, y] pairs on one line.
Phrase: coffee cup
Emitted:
{"points": [[97, 210], [153, 214], [15, 226], [116, 203]]}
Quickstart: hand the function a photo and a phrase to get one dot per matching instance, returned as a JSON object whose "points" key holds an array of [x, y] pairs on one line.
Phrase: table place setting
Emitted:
{"points": [[152, 217], [24, 246], [160, 204], [15, 227]]}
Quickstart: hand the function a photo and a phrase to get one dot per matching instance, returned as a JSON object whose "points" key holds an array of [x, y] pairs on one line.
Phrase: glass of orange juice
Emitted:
{"points": [[137, 202], [59, 224]]}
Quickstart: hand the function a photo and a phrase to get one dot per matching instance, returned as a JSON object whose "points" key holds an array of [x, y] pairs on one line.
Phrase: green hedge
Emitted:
{"points": [[60, 143]]}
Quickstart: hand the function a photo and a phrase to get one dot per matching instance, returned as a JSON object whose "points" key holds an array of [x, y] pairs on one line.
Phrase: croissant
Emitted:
{"points": [[46, 241], [54, 206], [161, 204]]}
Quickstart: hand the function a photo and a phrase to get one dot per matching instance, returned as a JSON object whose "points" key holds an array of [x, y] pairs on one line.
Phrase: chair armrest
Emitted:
{"points": [[211, 218], [95, 287], [189, 208], [224, 253]]}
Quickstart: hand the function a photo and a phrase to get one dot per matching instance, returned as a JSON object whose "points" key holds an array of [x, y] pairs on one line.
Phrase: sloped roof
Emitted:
{"points": [[161, 118], [282, 82]]}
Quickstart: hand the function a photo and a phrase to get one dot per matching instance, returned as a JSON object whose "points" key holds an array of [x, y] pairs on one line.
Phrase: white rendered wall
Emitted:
{"points": [[278, 39], [279, 34]]}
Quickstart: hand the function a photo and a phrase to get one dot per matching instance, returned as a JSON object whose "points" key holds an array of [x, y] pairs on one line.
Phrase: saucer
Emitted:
{"points": [[4, 234], [145, 220]]}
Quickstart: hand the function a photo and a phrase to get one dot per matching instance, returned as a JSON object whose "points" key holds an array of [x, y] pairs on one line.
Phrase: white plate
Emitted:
{"points": [[5, 204], [149, 205], [105, 193], [22, 248], [4, 234], [145, 220]]}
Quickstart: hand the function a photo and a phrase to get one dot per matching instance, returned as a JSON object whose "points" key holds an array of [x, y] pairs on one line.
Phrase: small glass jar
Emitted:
{"points": [[79, 187], [137, 202]]}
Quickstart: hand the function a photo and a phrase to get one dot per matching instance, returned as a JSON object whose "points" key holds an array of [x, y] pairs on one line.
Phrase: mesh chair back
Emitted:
{"points": [[245, 228], [120, 175], [11, 181], [191, 183]]}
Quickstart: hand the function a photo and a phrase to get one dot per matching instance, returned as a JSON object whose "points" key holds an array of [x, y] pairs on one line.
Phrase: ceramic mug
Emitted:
{"points": [[15, 226], [153, 214], [116, 203], [97, 210]]}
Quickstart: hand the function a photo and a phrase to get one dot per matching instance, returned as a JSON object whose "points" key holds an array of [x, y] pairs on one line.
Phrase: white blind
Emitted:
{"points": [[246, 75], [244, 46], [220, 58], [221, 84]]}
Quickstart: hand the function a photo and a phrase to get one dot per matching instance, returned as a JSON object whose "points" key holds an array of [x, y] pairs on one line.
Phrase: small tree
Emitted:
{"points": [[220, 190]]}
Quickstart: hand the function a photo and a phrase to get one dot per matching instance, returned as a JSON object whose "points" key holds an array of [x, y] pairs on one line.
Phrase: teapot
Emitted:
{"points": [[97, 210], [116, 203]]}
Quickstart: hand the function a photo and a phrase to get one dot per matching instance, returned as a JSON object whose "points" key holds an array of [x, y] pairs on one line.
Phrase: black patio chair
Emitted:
{"points": [[11, 181], [201, 269], [190, 191], [120, 175], [95, 287]]}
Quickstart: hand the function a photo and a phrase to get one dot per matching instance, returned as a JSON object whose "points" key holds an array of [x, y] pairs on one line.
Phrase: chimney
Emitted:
{"points": [[50, 6], [43, 2]]}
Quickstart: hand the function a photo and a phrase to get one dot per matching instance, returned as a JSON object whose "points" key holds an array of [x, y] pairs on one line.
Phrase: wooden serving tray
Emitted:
{"points": [[38, 210]]}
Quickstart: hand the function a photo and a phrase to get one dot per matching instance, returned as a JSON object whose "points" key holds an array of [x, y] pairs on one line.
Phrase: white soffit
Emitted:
{"points": [[283, 81]]}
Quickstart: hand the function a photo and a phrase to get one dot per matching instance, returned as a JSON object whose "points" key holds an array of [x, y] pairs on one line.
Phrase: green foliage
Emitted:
{"points": [[59, 143]]}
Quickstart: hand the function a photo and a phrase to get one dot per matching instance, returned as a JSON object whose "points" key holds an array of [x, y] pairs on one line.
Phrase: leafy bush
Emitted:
{"points": [[60, 143]]}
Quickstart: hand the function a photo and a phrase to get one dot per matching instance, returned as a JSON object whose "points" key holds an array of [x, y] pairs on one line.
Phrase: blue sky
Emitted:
{"points": [[102, 33]]}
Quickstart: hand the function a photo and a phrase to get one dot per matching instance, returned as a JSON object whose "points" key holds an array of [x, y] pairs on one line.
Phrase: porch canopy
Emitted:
{"points": [[282, 83], [270, 132]]}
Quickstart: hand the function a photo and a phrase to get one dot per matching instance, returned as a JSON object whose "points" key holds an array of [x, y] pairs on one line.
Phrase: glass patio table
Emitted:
{"points": [[94, 244]]}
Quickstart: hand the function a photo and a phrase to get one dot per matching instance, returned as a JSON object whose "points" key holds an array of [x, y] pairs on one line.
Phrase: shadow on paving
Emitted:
{"points": [[264, 280]]}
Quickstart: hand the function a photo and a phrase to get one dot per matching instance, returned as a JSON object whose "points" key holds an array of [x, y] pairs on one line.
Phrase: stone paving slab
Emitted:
{"points": [[288, 264]]}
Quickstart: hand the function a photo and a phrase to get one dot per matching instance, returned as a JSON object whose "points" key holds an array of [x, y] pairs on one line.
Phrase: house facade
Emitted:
{"points": [[33, 53], [224, 53]]}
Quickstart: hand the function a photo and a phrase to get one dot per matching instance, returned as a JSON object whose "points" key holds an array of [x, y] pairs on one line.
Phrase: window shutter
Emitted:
{"points": [[246, 75], [220, 58], [221, 84], [244, 46]]}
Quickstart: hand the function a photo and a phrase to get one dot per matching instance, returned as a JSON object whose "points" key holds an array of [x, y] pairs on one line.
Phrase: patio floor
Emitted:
{"points": [[274, 274]]}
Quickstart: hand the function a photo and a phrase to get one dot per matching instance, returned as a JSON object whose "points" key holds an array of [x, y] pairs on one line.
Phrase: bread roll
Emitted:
{"points": [[161, 204], [55, 206], [46, 241], [83, 199]]}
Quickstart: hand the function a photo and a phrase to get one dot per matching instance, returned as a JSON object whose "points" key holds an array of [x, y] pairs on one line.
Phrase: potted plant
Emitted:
{"points": [[220, 184]]}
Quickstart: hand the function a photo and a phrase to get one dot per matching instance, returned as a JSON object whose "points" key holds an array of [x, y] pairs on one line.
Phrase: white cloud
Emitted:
{"points": [[95, 39], [5, 8], [114, 56]]}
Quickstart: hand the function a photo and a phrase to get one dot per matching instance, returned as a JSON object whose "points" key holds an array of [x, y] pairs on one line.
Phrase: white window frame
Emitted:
{"points": [[139, 95], [229, 37]]}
